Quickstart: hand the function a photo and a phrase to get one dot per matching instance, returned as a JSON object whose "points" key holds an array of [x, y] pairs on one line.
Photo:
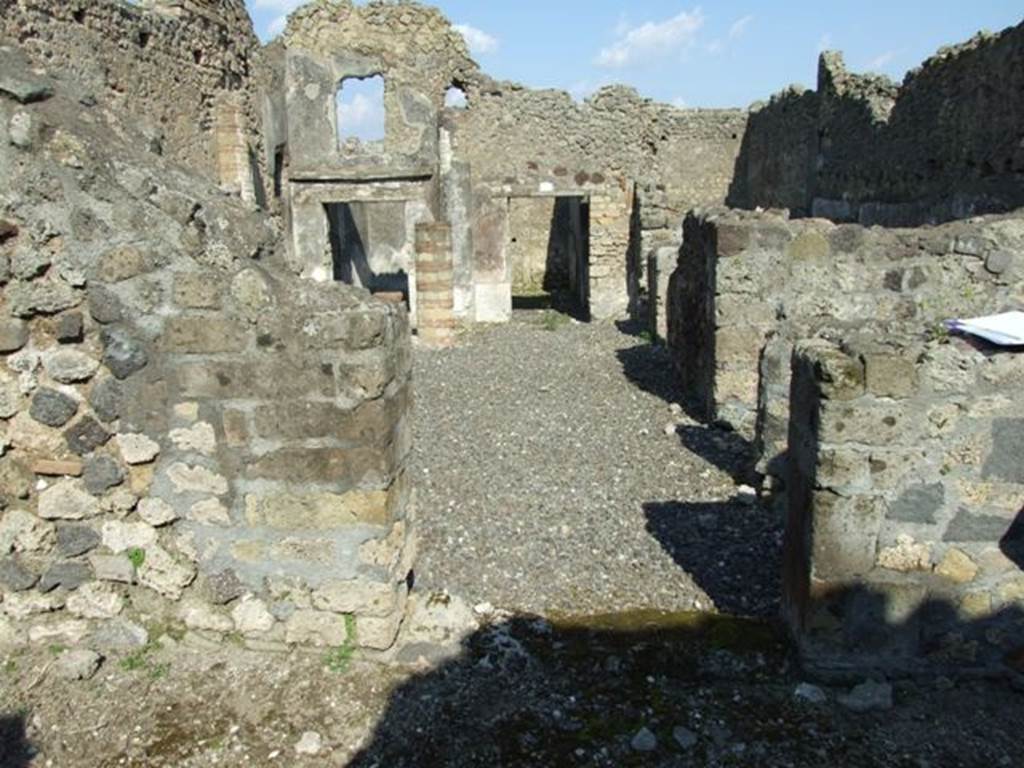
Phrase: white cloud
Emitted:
{"points": [[652, 40], [361, 109], [479, 42], [878, 63], [739, 27], [282, 8], [680, 102], [715, 47]]}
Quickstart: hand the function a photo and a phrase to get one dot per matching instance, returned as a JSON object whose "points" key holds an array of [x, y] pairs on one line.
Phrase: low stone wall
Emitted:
{"points": [[193, 437], [905, 539]]}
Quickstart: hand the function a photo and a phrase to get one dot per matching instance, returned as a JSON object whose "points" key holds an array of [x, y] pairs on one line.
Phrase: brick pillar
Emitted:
{"points": [[234, 171], [435, 304]]}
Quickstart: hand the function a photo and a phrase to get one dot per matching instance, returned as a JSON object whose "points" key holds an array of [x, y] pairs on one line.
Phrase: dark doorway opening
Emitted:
{"points": [[370, 246], [549, 254]]}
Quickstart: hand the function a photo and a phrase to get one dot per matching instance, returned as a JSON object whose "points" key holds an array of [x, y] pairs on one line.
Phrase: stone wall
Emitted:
{"points": [[749, 285], [905, 539], [182, 68], [193, 437], [511, 142], [945, 144]]}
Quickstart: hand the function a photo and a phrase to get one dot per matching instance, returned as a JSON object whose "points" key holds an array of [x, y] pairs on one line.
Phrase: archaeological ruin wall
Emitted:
{"points": [[182, 67], [891, 445], [945, 144], [529, 181], [195, 439], [905, 538]]}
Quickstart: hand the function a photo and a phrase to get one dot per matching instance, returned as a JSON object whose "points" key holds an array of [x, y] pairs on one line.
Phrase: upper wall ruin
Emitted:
{"points": [[183, 67], [946, 144]]}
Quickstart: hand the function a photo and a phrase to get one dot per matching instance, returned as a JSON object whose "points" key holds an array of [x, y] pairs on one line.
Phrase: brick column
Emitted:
{"points": [[435, 305]]}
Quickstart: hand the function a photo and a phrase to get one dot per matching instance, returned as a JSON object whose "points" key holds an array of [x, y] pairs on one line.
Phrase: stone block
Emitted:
{"points": [[96, 600], [251, 617], [86, 436], [13, 335], [105, 398], [123, 354], [732, 238], [1006, 461], [969, 526], [164, 574], [15, 577], [67, 500], [323, 630], [230, 380], [313, 511], [203, 336], [197, 290], [101, 473], [845, 535], [919, 504], [121, 264], [69, 575], [890, 375], [957, 566], [115, 568], [70, 328], [332, 466], [808, 247], [52, 408], [75, 540], [358, 596], [196, 479]]}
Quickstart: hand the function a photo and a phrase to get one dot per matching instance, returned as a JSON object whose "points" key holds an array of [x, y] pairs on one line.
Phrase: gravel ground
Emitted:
{"points": [[553, 478]]}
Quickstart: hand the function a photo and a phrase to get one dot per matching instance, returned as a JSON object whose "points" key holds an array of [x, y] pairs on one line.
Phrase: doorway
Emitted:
{"points": [[548, 253], [371, 245]]}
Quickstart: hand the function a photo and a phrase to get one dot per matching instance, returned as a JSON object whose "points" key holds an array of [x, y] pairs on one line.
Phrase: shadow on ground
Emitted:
{"points": [[528, 692], [658, 689], [15, 750], [732, 550]]}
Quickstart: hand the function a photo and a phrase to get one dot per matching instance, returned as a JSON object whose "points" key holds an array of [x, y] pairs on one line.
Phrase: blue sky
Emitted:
{"points": [[716, 54]]}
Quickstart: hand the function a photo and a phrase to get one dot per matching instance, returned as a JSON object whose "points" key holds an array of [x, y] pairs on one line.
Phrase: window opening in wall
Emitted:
{"points": [[455, 97], [359, 104], [548, 253], [371, 246]]}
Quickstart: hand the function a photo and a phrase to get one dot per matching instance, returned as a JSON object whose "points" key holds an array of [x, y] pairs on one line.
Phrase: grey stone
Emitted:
{"points": [[86, 436], [69, 575], [70, 328], [644, 741], [75, 540], [104, 306], [684, 737], [14, 576], [13, 335], [223, 587], [24, 90], [100, 474], [123, 355], [969, 245], [52, 408], [433, 654], [78, 664], [5, 268], [868, 697], [105, 399], [970, 527], [918, 504], [1006, 462], [999, 262], [119, 635], [40, 297], [29, 263], [69, 366]]}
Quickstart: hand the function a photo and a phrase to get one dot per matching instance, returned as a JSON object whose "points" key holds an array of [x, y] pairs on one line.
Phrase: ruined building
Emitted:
{"points": [[205, 407]]}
